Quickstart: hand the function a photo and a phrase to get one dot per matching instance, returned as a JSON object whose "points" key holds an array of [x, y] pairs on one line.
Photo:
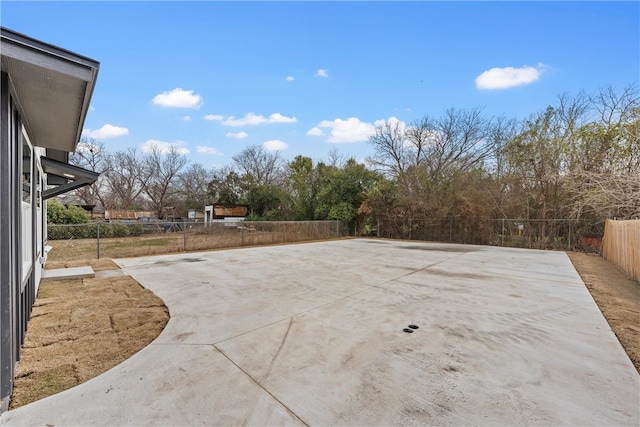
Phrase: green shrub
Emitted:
{"points": [[57, 213], [136, 230], [120, 230], [106, 230], [57, 233]]}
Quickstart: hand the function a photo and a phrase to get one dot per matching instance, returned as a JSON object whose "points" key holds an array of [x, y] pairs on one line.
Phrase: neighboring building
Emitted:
{"points": [[222, 212], [196, 215], [118, 214], [44, 98]]}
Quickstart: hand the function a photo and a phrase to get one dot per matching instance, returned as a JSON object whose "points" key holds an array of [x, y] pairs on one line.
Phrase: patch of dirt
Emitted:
{"points": [[83, 327], [101, 264], [617, 296], [80, 328]]}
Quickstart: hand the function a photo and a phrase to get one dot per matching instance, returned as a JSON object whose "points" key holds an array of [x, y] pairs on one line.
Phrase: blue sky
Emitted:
{"points": [[305, 77]]}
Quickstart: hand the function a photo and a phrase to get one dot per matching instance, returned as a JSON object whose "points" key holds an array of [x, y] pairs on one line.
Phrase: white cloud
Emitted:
{"points": [[350, 130], [238, 135], [275, 145], [315, 132], [179, 98], [393, 121], [164, 147], [208, 150], [252, 119], [106, 131], [279, 118], [507, 77], [187, 118], [289, 78], [213, 117], [322, 72]]}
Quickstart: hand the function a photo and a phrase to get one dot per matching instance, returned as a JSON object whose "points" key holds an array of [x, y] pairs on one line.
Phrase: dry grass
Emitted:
{"points": [[209, 238], [80, 328]]}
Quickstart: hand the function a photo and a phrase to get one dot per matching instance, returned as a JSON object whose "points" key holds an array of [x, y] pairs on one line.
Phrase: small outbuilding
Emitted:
{"points": [[196, 215], [225, 212]]}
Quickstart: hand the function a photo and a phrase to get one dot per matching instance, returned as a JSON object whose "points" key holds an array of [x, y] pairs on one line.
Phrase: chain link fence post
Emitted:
{"points": [[98, 239]]}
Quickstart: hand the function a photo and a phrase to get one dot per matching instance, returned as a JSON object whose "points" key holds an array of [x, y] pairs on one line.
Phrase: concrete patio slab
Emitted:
{"points": [[313, 334], [111, 273]]}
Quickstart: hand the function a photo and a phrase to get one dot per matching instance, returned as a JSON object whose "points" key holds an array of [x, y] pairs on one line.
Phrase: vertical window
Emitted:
{"points": [[27, 209], [27, 160]]}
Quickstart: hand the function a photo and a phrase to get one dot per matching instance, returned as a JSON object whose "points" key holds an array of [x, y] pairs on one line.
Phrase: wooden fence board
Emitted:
{"points": [[621, 246]]}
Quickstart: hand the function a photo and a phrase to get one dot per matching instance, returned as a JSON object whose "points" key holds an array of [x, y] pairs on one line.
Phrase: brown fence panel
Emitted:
{"points": [[621, 245]]}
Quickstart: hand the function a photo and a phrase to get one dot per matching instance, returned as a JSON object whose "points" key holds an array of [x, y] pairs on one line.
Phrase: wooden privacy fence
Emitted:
{"points": [[621, 245]]}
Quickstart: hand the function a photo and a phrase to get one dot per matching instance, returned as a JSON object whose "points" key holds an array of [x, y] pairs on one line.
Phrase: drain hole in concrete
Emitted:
{"points": [[407, 330], [413, 326]]}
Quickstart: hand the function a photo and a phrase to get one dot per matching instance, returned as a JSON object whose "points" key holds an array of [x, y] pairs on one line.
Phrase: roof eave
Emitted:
{"points": [[54, 87]]}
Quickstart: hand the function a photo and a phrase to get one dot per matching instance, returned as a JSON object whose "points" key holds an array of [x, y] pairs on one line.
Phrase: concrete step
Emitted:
{"points": [[68, 273]]}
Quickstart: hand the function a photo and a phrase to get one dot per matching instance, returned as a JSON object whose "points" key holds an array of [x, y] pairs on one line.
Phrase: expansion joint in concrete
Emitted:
{"points": [[259, 384]]}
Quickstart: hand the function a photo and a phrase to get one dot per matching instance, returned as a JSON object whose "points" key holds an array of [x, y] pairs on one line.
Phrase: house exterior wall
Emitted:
{"points": [[41, 119], [21, 234]]}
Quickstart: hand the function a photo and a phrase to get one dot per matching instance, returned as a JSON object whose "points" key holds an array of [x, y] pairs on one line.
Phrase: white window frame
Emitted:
{"points": [[26, 231]]}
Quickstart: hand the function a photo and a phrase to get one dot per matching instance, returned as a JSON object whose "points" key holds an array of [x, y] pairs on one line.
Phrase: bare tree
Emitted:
{"points": [[456, 141], [160, 175], [598, 196], [193, 184], [604, 180], [260, 166], [611, 142], [389, 143], [124, 180], [90, 154], [459, 141], [432, 157], [335, 158], [614, 107]]}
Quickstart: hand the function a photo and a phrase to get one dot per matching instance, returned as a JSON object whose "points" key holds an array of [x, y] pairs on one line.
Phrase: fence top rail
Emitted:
{"points": [[485, 219], [193, 222]]}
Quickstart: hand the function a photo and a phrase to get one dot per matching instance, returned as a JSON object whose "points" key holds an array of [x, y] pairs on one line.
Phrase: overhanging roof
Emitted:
{"points": [[73, 176], [53, 88]]}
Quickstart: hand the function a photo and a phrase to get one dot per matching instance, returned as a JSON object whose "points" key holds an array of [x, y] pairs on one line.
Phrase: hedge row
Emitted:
{"points": [[90, 231]]}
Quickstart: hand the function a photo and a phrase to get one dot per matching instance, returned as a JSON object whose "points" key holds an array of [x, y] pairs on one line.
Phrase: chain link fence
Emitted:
{"points": [[138, 238], [135, 238], [552, 234]]}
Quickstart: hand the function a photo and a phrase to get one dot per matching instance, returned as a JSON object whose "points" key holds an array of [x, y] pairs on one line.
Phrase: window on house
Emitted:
{"points": [[27, 161], [27, 209]]}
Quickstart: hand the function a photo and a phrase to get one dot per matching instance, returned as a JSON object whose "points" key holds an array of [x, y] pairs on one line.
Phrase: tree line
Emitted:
{"points": [[577, 159]]}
